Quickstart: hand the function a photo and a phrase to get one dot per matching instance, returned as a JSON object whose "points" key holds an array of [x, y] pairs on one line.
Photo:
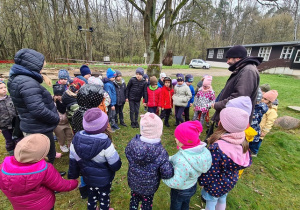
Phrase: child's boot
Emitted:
{"points": [[167, 121]]}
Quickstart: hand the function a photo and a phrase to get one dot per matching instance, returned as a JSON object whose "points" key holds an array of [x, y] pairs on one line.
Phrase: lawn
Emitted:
{"points": [[270, 183]]}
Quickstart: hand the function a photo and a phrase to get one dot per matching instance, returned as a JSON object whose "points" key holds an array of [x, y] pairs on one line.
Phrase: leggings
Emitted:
{"points": [[147, 201]]}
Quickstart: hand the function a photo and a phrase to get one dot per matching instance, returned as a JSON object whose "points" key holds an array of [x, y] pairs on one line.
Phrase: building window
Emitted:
{"points": [[297, 57], [220, 54], [286, 52], [210, 54], [265, 52], [249, 49]]}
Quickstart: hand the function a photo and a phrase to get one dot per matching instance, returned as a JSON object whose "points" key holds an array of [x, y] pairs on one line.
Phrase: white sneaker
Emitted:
{"points": [[64, 148]]}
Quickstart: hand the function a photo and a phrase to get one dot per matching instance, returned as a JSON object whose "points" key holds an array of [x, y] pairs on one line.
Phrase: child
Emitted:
{"points": [[165, 101], [181, 97], [28, 180], [85, 73], [146, 77], [204, 99], [109, 87], [230, 152], [161, 79], [93, 156], [265, 88], [188, 81], [7, 113], [120, 87], [153, 95], [200, 83], [63, 131], [148, 162], [136, 89], [63, 78], [267, 121], [192, 159]]}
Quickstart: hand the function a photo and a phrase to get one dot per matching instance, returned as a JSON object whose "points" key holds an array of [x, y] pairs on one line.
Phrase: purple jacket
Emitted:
{"points": [[148, 163]]}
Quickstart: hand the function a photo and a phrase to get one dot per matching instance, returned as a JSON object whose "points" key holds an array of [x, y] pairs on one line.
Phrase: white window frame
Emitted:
{"points": [[265, 52], [211, 53], [295, 61], [249, 50], [284, 55], [220, 54]]}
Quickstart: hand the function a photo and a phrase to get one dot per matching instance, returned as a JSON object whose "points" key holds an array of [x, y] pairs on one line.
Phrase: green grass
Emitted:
{"points": [[270, 183]]}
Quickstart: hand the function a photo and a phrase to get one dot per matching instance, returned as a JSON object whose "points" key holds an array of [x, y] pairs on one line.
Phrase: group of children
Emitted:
{"points": [[92, 108]]}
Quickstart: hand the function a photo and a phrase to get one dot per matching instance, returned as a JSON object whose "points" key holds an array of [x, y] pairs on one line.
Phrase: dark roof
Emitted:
{"points": [[262, 44]]}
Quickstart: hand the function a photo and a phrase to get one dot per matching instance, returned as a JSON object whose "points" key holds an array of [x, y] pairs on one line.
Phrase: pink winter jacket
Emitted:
{"points": [[31, 186]]}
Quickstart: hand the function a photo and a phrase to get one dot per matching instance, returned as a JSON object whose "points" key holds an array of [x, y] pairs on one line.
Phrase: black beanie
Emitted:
{"points": [[237, 51], [58, 90]]}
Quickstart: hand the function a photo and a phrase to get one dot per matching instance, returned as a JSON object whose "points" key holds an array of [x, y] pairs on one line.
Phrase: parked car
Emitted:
{"points": [[199, 63]]}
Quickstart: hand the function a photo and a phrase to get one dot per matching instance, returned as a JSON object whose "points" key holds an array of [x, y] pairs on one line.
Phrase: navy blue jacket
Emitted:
{"points": [[33, 102], [148, 163], [136, 89], [94, 158]]}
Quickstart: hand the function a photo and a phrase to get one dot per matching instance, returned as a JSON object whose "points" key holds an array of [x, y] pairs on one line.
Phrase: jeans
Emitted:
{"points": [[152, 109], [10, 144], [119, 111], [254, 146], [134, 107], [180, 199], [212, 202], [111, 116], [178, 114]]}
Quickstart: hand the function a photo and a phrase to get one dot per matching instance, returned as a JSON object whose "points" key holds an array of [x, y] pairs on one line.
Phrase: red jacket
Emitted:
{"points": [[31, 186], [166, 101], [153, 97]]}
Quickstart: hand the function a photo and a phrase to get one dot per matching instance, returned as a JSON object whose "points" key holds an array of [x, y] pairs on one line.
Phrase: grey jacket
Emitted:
{"points": [[182, 95]]}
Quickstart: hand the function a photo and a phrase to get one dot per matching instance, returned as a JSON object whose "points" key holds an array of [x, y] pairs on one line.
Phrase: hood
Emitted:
{"points": [[248, 60], [89, 146], [30, 59], [90, 96], [21, 70], [142, 152], [105, 80], [262, 106], [193, 155], [22, 173]]}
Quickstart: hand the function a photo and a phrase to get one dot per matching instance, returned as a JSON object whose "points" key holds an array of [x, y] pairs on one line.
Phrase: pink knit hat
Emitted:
{"points": [[151, 126], [271, 95], [234, 120], [188, 134], [207, 81]]}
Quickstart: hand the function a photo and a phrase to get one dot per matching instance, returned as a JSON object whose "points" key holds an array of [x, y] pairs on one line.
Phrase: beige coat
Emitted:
{"points": [[182, 95], [268, 120]]}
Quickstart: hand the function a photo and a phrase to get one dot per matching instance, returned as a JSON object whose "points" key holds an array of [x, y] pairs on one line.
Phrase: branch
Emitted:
{"points": [[177, 9], [132, 2], [274, 3], [160, 17], [187, 21]]}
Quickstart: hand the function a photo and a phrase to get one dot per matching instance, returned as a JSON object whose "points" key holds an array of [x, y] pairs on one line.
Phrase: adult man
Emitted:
{"points": [[243, 81]]}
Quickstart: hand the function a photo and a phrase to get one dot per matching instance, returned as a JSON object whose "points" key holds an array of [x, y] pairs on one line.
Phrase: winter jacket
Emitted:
{"points": [[268, 120], [69, 99], [165, 101], [259, 110], [182, 95], [148, 163], [121, 92], [243, 81], [204, 100], [94, 158], [189, 164], [227, 160], [109, 87], [33, 102], [7, 113], [136, 89], [160, 83], [153, 97], [193, 96], [83, 79], [31, 186]]}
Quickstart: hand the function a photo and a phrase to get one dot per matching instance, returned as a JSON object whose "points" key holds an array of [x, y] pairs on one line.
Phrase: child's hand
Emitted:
{"points": [[144, 104], [113, 108], [262, 134], [126, 99], [191, 104]]}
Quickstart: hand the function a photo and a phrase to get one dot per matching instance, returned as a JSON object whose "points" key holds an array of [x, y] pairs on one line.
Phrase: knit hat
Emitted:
{"points": [[146, 76], [110, 73], [174, 82], [95, 81], [271, 95], [118, 73], [140, 71], [188, 134], [151, 126], [234, 120], [63, 74], [242, 102], [58, 90], [207, 81], [153, 80], [265, 88], [180, 77], [94, 121], [237, 51], [76, 84], [32, 148], [84, 70], [189, 78], [162, 75]]}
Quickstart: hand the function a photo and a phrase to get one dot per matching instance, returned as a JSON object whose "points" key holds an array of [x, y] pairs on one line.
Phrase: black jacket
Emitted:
{"points": [[121, 92], [33, 102], [136, 89]]}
